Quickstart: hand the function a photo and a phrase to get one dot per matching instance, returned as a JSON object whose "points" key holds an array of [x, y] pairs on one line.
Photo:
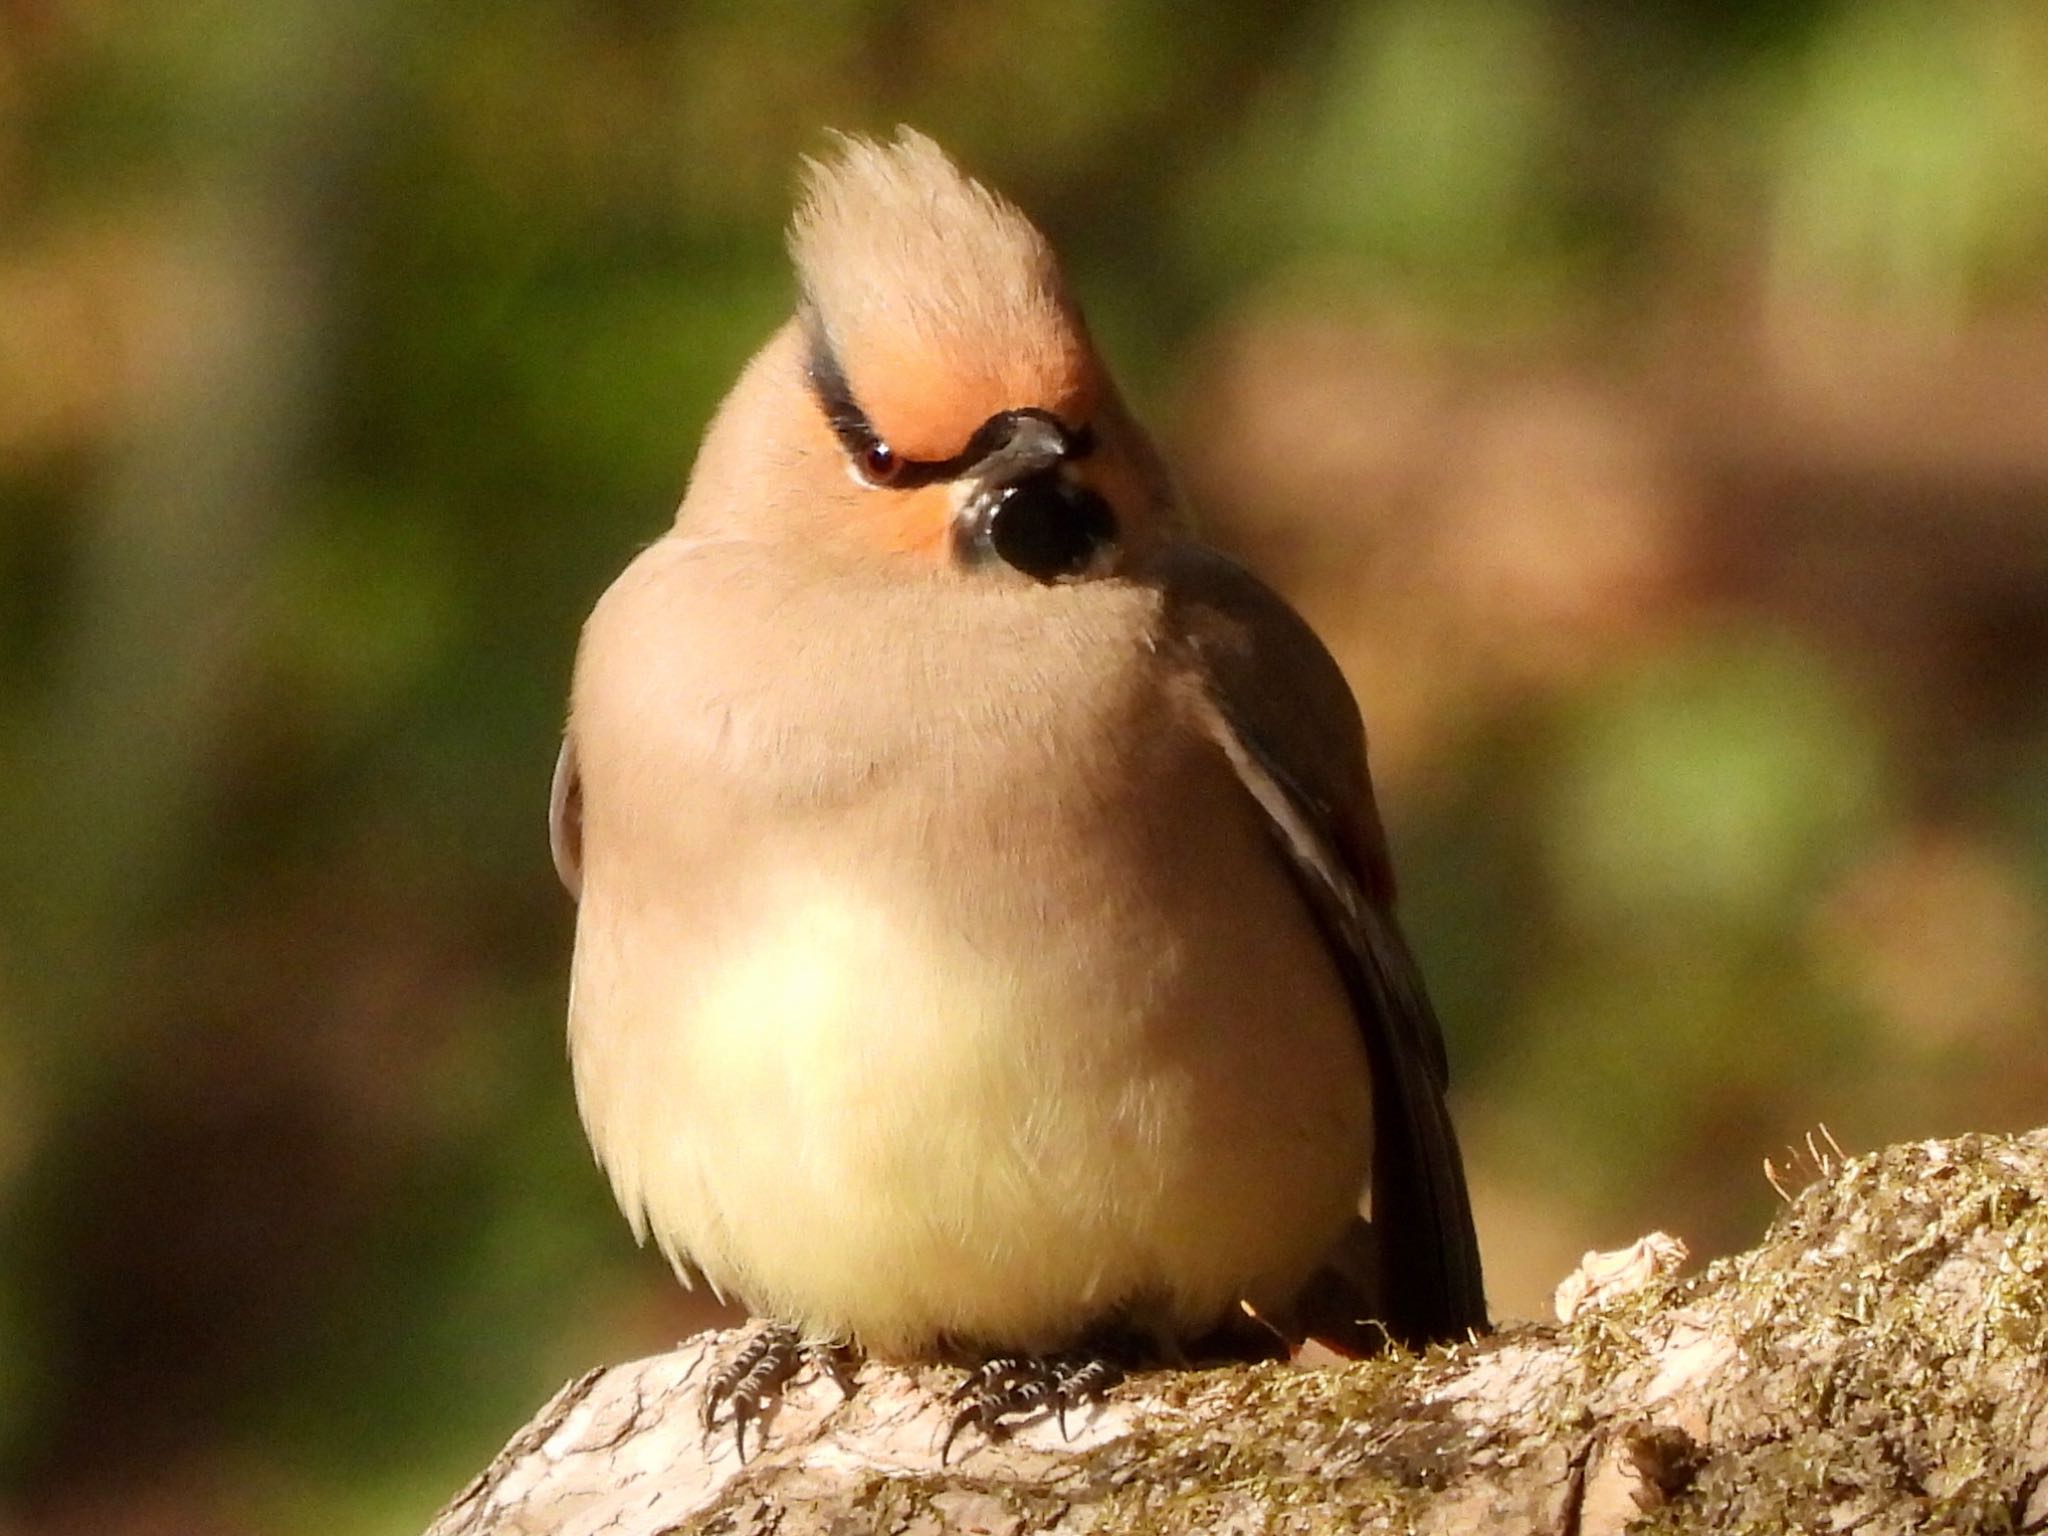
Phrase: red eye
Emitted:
{"points": [[879, 464]]}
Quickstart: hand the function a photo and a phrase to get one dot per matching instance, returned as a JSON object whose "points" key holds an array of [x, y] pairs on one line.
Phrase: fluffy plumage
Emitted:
{"points": [[942, 302], [965, 957]]}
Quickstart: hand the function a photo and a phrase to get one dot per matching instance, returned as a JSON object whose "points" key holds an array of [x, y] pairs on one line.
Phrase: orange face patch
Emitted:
{"points": [[926, 399], [914, 522]]}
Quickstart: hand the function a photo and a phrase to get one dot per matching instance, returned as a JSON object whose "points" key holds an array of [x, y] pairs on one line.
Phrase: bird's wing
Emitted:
{"points": [[1281, 711], [565, 819]]}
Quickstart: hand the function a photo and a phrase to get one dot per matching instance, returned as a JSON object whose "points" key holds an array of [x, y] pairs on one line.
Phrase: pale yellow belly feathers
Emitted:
{"points": [[849, 1116], [939, 1038]]}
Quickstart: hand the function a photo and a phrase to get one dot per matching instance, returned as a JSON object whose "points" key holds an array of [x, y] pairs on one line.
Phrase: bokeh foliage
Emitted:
{"points": [[1647, 402]]}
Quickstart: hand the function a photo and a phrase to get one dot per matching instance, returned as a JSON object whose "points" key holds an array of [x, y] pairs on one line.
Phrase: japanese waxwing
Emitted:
{"points": [[985, 931]]}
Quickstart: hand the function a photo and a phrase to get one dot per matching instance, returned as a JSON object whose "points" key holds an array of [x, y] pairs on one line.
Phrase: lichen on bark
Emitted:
{"points": [[1875, 1364]]}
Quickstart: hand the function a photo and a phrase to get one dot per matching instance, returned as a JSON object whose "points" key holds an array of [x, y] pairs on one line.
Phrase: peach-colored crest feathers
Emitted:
{"points": [[940, 300]]}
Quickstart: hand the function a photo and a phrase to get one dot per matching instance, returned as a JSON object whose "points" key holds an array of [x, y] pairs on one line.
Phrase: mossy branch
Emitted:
{"points": [[1876, 1364]]}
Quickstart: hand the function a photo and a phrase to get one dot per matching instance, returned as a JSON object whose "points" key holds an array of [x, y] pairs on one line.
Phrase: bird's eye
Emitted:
{"points": [[879, 464]]}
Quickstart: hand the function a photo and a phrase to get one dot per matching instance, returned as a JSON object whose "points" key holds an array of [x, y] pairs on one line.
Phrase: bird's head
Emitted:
{"points": [[936, 396]]}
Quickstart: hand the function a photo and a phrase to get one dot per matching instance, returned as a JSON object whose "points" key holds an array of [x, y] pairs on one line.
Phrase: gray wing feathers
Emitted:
{"points": [[1286, 719]]}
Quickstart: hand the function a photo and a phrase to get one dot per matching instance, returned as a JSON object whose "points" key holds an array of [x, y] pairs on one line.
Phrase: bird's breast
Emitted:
{"points": [[952, 988]]}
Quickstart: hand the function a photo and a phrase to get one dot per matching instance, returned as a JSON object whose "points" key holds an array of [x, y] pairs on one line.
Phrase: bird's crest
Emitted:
{"points": [[937, 301]]}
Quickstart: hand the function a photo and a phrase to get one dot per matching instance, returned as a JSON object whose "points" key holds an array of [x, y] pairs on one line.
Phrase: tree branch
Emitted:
{"points": [[1876, 1364]]}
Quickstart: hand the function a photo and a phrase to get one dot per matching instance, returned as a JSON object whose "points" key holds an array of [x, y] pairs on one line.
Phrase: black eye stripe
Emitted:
{"points": [[848, 421], [858, 437]]}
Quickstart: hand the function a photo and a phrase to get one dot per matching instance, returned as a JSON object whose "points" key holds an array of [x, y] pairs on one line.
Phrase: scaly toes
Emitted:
{"points": [[1016, 1387], [753, 1379]]}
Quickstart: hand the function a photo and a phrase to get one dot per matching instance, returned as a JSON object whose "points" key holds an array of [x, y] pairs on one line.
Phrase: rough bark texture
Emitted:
{"points": [[1876, 1365]]}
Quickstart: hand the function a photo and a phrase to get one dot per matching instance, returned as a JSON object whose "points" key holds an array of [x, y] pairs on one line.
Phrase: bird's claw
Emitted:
{"points": [[1014, 1387], [753, 1379]]}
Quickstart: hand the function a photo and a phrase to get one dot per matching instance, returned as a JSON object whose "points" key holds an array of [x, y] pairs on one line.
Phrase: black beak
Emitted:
{"points": [[1034, 443], [1025, 511]]}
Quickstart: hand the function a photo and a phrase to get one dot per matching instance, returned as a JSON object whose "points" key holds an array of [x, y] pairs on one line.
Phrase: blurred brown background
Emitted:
{"points": [[1650, 403]]}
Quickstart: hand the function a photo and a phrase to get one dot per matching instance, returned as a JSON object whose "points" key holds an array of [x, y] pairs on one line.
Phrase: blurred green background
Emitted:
{"points": [[1649, 402]]}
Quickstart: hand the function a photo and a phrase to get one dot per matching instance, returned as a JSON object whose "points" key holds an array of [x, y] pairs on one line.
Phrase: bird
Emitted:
{"points": [[985, 944]]}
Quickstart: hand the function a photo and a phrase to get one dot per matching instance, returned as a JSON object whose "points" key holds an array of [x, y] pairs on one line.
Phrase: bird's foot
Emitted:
{"points": [[751, 1383], [1010, 1388]]}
